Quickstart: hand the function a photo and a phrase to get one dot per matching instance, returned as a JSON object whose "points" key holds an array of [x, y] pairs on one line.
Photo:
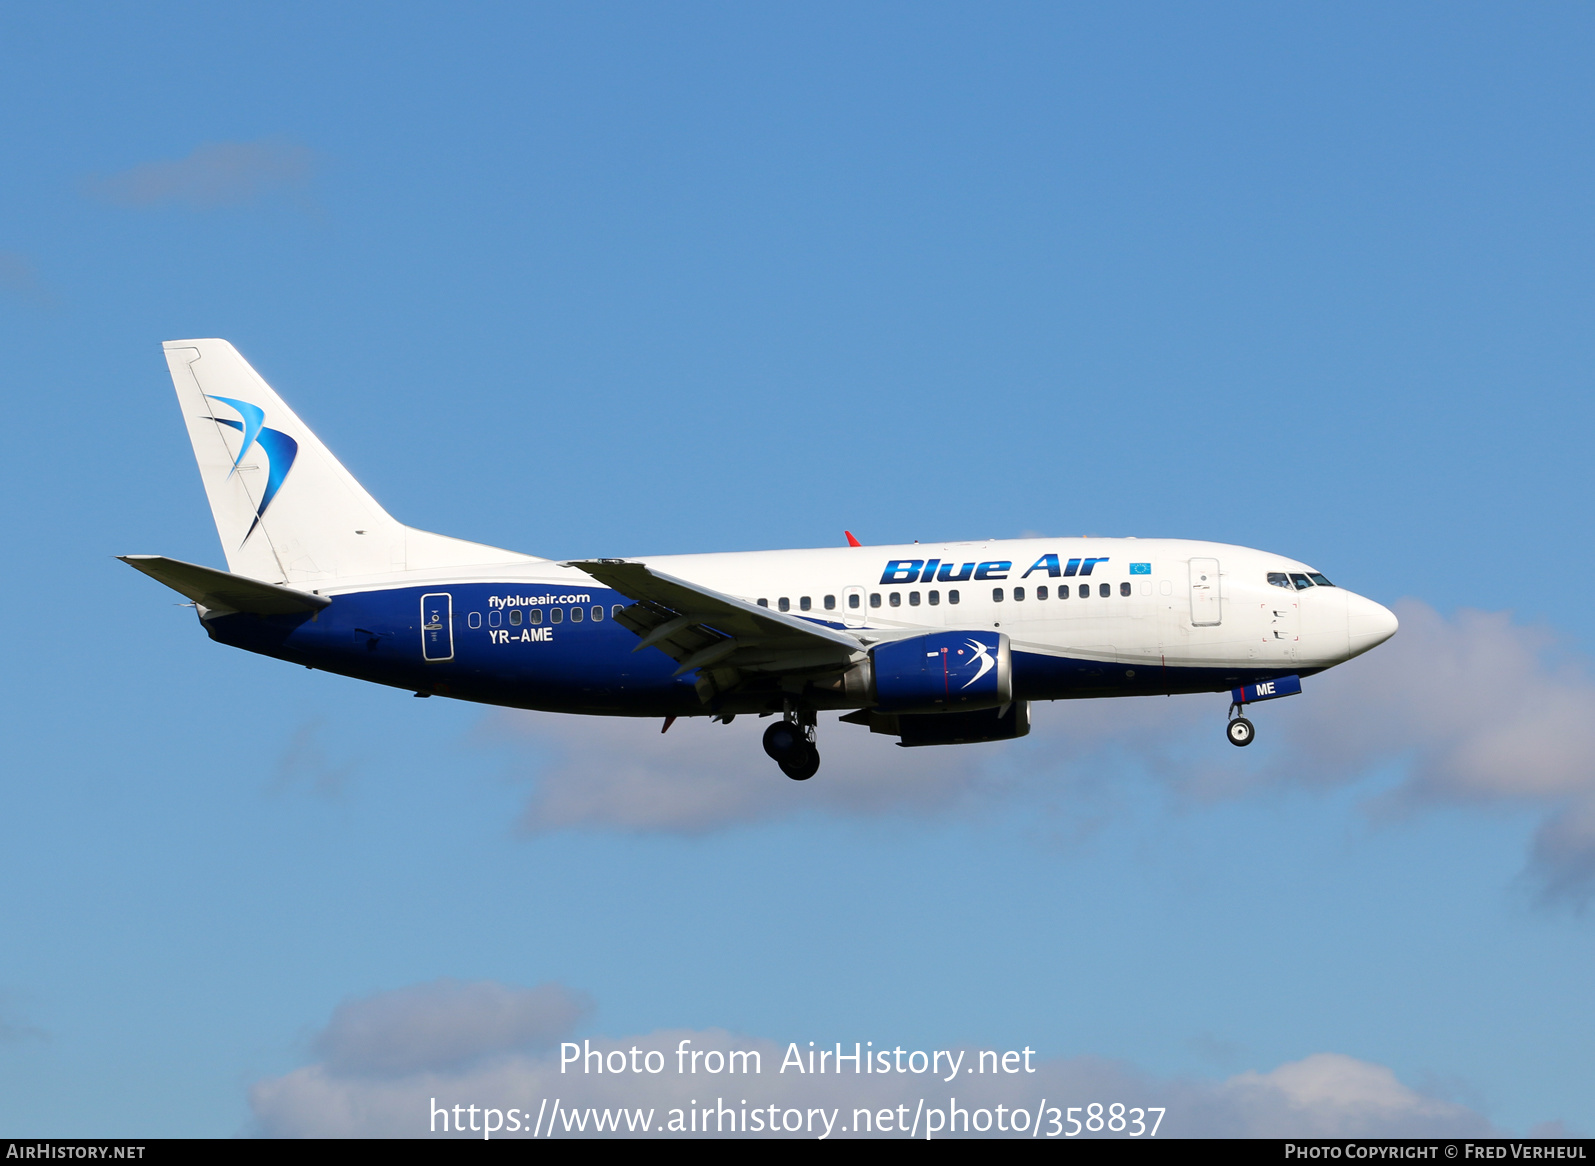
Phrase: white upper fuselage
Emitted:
{"points": [[1256, 624]]}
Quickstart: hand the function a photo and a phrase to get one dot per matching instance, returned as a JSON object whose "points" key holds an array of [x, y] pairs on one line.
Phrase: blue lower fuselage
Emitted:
{"points": [[452, 641]]}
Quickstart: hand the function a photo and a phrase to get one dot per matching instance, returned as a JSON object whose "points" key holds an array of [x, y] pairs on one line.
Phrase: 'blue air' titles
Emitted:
{"points": [[936, 571]]}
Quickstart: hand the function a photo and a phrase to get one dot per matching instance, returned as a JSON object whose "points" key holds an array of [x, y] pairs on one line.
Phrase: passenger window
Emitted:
{"points": [[875, 599], [1105, 590], [515, 617], [913, 599], [1018, 594], [1301, 581], [1279, 579], [614, 612], [535, 616], [575, 615], [895, 598], [598, 613], [1041, 592], [1124, 589], [1083, 590], [996, 594], [1319, 579], [764, 603], [830, 603], [474, 620], [784, 603], [935, 598], [494, 618], [952, 596], [805, 604], [1063, 591], [852, 601], [556, 614]]}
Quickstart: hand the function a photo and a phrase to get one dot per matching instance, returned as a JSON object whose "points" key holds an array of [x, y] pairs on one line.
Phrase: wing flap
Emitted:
{"points": [[701, 628]]}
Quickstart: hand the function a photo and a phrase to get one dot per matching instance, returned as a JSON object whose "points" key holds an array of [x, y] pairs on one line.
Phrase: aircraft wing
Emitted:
{"points": [[700, 628], [222, 592]]}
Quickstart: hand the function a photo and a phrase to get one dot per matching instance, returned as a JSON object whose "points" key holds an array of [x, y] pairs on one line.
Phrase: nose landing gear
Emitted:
{"points": [[790, 743], [1240, 731]]}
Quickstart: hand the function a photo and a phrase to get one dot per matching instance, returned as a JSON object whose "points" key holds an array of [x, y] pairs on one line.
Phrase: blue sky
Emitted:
{"points": [[621, 280]]}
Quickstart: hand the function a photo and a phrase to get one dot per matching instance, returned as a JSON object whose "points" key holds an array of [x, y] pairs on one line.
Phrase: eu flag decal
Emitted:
{"points": [[1140, 568]]}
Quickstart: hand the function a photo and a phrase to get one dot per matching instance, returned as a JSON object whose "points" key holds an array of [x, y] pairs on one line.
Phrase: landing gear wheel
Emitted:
{"points": [[790, 743], [1240, 732], [783, 740], [802, 765]]}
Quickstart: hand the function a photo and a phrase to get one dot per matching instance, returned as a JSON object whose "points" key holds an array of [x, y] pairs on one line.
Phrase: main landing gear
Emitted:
{"points": [[790, 742], [1239, 730]]}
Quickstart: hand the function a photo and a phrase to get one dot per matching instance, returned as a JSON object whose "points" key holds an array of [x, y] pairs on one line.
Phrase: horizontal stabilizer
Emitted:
{"points": [[220, 591]]}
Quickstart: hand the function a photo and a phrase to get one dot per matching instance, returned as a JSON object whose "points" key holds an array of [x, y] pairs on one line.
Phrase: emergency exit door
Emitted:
{"points": [[853, 613], [437, 627], [1205, 598]]}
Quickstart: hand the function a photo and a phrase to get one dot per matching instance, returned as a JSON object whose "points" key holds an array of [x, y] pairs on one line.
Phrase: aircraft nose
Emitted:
{"points": [[1369, 624]]}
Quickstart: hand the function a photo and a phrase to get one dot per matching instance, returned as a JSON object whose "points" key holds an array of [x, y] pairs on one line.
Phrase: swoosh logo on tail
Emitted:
{"points": [[279, 448]]}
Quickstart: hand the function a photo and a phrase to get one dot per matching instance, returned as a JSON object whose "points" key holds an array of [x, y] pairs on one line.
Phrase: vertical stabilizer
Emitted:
{"points": [[285, 508]]}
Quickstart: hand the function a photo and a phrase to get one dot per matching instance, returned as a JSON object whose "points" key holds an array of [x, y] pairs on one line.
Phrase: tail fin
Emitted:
{"points": [[286, 509]]}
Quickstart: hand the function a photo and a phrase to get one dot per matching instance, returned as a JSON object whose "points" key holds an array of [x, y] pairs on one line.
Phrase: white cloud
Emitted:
{"points": [[1471, 701], [1564, 852], [444, 1025], [1478, 713], [216, 174], [1470, 707], [624, 774], [1323, 1095], [1329, 1095]]}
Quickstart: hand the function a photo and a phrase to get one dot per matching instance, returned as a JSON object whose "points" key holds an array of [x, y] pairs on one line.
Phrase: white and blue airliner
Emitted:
{"points": [[931, 643]]}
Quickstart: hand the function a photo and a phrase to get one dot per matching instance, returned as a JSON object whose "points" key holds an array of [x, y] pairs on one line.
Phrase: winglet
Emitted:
{"points": [[851, 541]]}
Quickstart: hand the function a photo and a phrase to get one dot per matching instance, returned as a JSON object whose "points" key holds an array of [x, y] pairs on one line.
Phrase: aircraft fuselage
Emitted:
{"points": [[1086, 618]]}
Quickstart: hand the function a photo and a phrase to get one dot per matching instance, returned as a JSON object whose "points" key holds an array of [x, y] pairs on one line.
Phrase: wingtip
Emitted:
{"points": [[851, 541]]}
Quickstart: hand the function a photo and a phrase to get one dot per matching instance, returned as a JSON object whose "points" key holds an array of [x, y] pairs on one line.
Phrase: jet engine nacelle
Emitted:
{"points": [[949, 671]]}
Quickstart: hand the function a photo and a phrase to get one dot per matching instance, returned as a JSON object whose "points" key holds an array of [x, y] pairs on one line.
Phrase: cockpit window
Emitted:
{"points": [[1299, 582]]}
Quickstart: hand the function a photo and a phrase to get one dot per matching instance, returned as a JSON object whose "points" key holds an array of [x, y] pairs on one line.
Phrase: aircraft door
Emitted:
{"points": [[437, 627], [853, 611], [1205, 598]]}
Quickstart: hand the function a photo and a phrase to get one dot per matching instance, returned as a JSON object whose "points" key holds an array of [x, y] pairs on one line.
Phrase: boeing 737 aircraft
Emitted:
{"points": [[934, 644]]}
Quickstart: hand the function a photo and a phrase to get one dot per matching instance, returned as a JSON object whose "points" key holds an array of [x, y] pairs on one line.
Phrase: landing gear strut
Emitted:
{"points": [[790, 742], [1239, 730]]}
